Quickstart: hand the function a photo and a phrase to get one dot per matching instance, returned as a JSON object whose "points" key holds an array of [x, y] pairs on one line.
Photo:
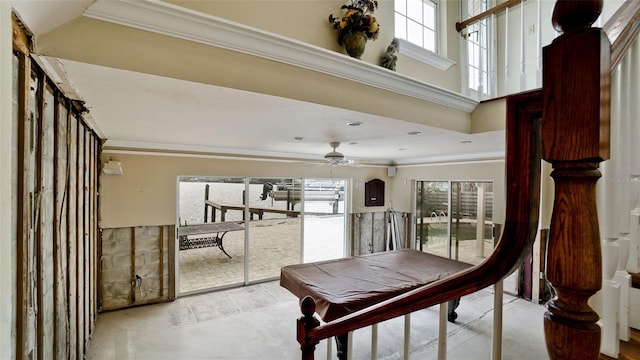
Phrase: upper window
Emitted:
{"points": [[416, 22], [477, 36]]}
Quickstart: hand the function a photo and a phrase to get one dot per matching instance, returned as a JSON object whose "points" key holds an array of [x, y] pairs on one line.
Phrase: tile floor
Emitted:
{"points": [[258, 322]]}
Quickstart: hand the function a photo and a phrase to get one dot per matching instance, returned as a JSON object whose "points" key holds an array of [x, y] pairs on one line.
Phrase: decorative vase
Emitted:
{"points": [[354, 43]]}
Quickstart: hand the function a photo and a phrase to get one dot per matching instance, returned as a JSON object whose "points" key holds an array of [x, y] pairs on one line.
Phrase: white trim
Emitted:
{"points": [[155, 149], [171, 20], [423, 55], [490, 156], [236, 153]]}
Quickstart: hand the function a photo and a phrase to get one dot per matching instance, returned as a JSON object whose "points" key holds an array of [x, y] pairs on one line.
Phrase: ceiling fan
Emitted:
{"points": [[335, 158]]}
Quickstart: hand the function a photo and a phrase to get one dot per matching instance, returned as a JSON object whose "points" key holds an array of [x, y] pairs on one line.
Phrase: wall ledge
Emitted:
{"points": [[178, 22]]}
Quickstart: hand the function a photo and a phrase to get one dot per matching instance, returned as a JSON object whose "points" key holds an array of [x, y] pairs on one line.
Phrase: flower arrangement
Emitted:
{"points": [[357, 18]]}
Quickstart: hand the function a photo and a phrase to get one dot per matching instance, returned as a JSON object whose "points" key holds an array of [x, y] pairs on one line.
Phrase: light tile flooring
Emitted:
{"points": [[258, 322]]}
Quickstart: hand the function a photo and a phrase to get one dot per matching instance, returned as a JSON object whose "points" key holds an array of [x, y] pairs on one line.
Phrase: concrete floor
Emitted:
{"points": [[258, 322]]}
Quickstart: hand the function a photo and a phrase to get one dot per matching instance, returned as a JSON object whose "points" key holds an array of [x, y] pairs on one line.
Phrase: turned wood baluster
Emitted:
{"points": [[575, 139], [305, 323]]}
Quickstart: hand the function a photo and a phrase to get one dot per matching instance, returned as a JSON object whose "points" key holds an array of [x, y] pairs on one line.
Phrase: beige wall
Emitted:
{"points": [[490, 171], [100, 43], [307, 21], [146, 193]]}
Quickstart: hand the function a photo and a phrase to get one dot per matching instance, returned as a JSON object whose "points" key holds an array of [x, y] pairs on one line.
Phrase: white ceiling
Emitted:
{"points": [[135, 110]]}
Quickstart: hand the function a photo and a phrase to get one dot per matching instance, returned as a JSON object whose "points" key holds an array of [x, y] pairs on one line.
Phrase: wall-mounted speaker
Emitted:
{"points": [[391, 171]]}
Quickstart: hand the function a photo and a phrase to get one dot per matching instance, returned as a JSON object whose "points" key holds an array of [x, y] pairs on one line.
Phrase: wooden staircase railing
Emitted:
{"points": [[622, 29], [523, 189], [567, 124]]}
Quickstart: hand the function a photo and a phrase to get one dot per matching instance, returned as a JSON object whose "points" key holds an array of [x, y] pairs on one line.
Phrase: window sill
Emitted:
{"points": [[425, 56]]}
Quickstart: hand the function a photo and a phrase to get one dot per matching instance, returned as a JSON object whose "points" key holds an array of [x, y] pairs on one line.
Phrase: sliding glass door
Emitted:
{"points": [[275, 206], [234, 231], [454, 219], [211, 259]]}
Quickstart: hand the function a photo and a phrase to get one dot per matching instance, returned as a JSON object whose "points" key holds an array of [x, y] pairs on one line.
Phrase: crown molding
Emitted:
{"points": [[199, 149], [467, 158], [161, 149], [178, 22]]}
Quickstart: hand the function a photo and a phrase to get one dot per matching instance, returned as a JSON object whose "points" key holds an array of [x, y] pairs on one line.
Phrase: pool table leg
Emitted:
{"points": [[342, 342], [451, 313]]}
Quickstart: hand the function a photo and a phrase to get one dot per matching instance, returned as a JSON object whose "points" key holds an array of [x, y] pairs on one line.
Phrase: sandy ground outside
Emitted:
{"points": [[272, 244]]}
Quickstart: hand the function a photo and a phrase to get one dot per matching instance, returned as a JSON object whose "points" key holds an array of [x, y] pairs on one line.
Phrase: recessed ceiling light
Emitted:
{"points": [[353, 143], [354, 123], [402, 149], [298, 138], [414, 133], [465, 142]]}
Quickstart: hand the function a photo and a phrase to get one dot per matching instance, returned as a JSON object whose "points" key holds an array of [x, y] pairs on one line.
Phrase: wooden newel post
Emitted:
{"points": [[575, 139], [306, 323]]}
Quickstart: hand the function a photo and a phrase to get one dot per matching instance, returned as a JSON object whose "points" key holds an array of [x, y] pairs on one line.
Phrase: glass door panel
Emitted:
{"points": [[471, 221], [213, 258], [432, 209], [448, 214], [324, 219], [275, 206]]}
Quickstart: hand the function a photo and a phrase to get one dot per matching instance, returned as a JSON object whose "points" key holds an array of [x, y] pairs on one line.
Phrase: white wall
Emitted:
{"points": [[7, 254]]}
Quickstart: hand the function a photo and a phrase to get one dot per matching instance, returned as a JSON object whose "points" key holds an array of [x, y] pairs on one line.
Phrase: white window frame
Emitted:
{"points": [[420, 53], [489, 86]]}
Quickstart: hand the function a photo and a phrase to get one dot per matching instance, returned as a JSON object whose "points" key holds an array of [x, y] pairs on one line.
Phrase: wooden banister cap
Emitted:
{"points": [[570, 15], [307, 306]]}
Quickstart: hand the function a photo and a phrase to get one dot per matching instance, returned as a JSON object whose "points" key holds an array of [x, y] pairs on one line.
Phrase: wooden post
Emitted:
{"points": [[575, 139], [206, 207], [305, 323]]}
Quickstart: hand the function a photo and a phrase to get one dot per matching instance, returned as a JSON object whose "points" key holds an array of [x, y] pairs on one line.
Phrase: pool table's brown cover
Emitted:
{"points": [[340, 287]]}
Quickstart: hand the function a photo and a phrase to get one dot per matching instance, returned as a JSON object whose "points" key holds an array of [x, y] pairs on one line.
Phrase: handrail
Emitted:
{"points": [[523, 156], [622, 29], [486, 13]]}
